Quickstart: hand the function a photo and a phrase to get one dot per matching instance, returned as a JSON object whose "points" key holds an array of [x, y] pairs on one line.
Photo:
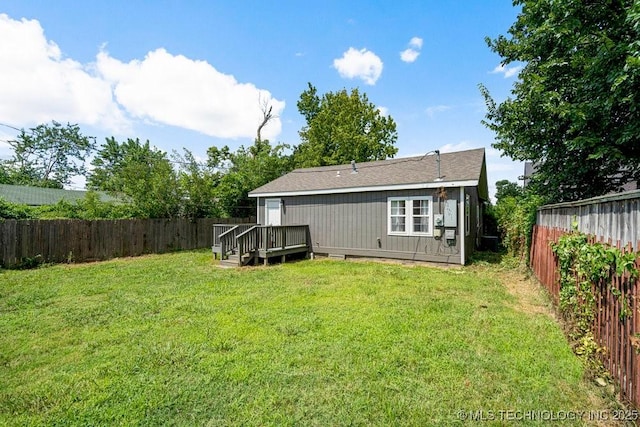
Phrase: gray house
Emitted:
{"points": [[426, 208]]}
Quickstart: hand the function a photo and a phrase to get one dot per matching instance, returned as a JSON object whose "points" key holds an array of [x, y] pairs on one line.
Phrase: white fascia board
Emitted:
{"points": [[418, 186]]}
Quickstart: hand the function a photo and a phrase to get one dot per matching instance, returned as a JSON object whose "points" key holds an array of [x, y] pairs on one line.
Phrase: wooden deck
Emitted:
{"points": [[245, 244]]}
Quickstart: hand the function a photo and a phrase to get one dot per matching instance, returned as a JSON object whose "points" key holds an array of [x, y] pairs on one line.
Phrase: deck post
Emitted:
{"points": [[283, 231]]}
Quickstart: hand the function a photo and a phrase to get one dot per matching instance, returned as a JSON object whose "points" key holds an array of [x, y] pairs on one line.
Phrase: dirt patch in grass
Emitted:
{"points": [[531, 298]]}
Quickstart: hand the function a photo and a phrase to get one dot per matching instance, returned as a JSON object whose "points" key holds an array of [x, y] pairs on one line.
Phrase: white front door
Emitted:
{"points": [[272, 212]]}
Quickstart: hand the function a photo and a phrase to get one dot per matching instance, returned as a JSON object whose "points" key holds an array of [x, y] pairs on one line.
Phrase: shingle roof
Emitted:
{"points": [[36, 196], [461, 166]]}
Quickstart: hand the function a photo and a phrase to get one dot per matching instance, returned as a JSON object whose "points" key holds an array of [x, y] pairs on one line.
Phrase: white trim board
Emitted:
{"points": [[418, 186]]}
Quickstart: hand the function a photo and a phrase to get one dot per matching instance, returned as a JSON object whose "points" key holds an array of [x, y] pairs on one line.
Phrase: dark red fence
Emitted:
{"points": [[613, 332]]}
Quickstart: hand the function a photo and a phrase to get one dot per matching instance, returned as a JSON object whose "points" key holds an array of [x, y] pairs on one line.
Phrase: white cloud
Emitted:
{"points": [[461, 146], [362, 64], [507, 71], [416, 42], [413, 51], [383, 110], [431, 111], [409, 55], [38, 84], [191, 94]]}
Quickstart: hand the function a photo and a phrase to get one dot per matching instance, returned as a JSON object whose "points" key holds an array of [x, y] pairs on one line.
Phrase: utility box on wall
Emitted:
{"points": [[438, 219], [450, 213]]}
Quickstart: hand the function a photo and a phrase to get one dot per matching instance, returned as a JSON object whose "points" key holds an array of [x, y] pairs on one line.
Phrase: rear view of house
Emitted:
{"points": [[426, 208]]}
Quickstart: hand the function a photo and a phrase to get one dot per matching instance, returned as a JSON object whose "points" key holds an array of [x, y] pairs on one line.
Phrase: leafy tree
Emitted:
{"points": [[142, 173], [245, 170], [342, 127], [198, 182], [5, 174], [48, 155], [504, 189], [574, 111]]}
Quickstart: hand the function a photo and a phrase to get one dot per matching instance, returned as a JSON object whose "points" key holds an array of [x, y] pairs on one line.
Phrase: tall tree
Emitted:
{"points": [[49, 155], [141, 172], [342, 127], [245, 170], [198, 182], [575, 110], [505, 188]]}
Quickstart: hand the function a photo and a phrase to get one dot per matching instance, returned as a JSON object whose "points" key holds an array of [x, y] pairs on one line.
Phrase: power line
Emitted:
{"points": [[12, 127]]}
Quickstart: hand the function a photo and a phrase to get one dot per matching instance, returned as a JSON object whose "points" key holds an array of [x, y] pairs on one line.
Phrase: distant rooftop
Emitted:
{"points": [[37, 196]]}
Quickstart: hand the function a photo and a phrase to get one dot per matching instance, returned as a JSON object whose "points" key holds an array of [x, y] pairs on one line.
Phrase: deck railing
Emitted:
{"points": [[271, 237], [282, 236], [219, 229], [224, 236]]}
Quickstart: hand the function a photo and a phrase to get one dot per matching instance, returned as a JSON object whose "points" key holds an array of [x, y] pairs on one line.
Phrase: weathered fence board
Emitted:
{"points": [[617, 336], [615, 217], [92, 240]]}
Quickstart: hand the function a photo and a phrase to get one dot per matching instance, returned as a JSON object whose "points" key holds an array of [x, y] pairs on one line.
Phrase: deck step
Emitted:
{"points": [[232, 260]]}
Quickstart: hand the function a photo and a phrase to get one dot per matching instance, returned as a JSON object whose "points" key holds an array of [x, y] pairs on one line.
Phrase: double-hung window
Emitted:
{"points": [[410, 216], [397, 216]]}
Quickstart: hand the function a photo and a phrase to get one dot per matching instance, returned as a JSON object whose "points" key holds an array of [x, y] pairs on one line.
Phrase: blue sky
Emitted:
{"points": [[193, 73]]}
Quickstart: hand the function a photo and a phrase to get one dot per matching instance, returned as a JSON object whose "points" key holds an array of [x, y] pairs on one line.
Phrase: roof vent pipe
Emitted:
{"points": [[437, 153], [354, 169]]}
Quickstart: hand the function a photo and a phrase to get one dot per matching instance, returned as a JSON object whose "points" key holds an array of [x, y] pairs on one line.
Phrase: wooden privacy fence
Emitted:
{"points": [[614, 217], [616, 335], [74, 240]]}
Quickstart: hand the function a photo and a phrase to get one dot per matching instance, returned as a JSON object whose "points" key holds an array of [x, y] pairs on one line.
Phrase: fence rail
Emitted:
{"points": [[81, 240], [617, 336]]}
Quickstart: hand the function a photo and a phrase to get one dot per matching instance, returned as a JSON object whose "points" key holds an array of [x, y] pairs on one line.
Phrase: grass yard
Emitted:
{"points": [[173, 340]]}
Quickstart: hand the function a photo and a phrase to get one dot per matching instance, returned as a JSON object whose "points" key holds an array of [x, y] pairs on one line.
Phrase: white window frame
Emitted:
{"points": [[389, 216], [408, 223]]}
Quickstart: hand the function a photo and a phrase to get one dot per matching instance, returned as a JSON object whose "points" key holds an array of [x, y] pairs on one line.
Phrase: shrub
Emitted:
{"points": [[516, 217]]}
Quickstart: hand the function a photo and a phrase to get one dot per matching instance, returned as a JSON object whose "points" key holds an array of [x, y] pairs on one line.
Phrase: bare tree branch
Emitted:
{"points": [[267, 116]]}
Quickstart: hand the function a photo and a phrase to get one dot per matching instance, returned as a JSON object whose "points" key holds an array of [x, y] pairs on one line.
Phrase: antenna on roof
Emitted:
{"points": [[354, 169]]}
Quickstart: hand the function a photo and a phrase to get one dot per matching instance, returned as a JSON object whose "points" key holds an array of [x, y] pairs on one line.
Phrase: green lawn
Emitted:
{"points": [[174, 340]]}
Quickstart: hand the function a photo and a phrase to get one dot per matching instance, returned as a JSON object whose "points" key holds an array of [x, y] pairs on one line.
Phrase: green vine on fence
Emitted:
{"points": [[586, 270]]}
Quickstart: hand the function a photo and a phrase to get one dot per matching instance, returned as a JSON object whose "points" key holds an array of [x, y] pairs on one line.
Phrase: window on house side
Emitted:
{"points": [[398, 216], [410, 216], [420, 216]]}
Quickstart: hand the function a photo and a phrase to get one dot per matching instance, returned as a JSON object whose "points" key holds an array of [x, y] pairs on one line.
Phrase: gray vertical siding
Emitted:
{"points": [[352, 223]]}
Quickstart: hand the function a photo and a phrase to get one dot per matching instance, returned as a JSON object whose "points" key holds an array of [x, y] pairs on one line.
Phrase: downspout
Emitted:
{"points": [[462, 230]]}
